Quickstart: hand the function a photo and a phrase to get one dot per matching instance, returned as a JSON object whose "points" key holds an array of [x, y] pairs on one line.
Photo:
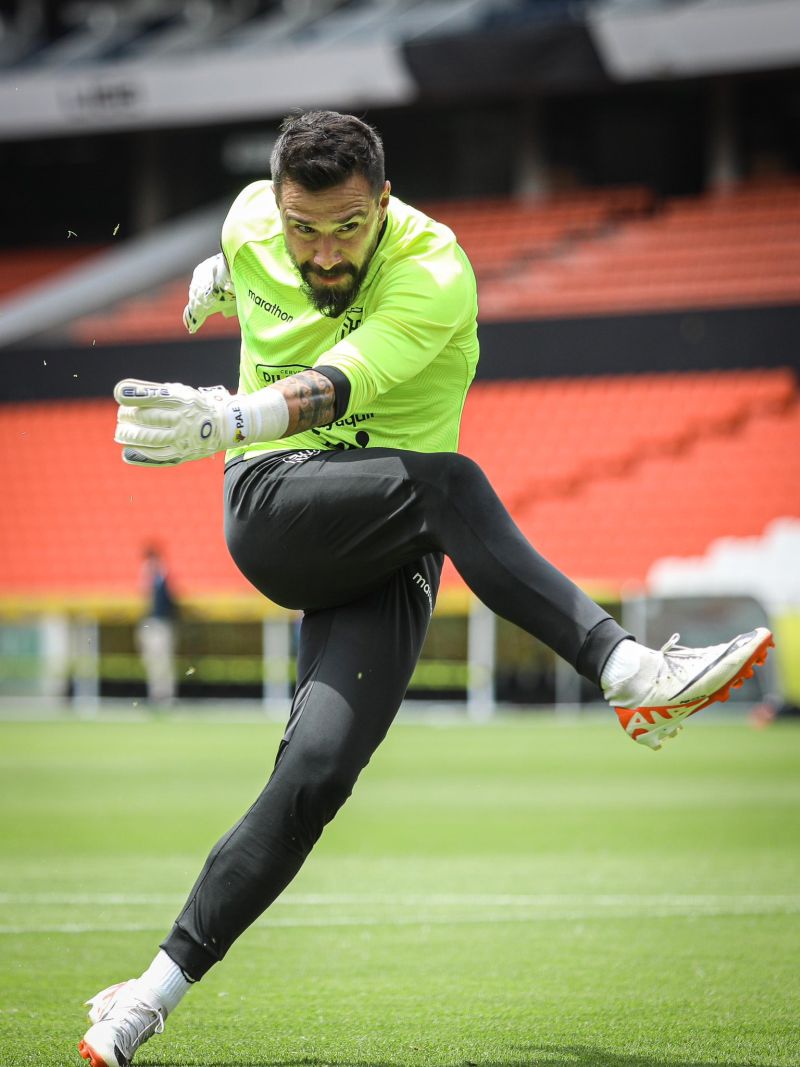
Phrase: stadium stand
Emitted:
{"points": [[732, 483], [116, 274], [766, 565], [577, 430], [499, 234], [23, 267], [79, 531], [156, 316], [727, 249], [604, 475], [601, 251], [93, 31]]}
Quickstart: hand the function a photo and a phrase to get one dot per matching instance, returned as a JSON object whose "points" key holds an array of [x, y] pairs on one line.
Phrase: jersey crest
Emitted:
{"points": [[352, 320]]}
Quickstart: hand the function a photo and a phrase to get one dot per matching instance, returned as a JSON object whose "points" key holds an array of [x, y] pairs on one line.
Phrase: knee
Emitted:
{"points": [[329, 769], [461, 477], [324, 778]]}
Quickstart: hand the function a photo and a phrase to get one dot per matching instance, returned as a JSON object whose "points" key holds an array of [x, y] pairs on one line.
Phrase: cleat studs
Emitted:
{"points": [[89, 1054]]}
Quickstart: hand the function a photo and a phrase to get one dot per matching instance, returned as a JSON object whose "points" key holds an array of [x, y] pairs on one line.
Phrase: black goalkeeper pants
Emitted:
{"points": [[356, 540]]}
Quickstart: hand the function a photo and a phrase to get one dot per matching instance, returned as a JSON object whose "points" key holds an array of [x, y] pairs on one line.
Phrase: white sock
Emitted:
{"points": [[166, 981], [622, 664]]}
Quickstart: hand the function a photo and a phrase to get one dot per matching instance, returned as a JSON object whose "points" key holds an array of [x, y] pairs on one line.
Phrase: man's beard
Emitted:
{"points": [[332, 301]]}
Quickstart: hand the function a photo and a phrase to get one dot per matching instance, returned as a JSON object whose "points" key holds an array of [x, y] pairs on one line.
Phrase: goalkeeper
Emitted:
{"points": [[343, 492]]}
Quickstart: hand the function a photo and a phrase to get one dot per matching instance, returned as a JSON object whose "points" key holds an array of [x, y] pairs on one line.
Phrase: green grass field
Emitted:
{"points": [[517, 894]]}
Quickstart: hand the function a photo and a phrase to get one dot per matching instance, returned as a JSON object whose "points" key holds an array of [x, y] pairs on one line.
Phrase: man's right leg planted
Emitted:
{"points": [[354, 664]]}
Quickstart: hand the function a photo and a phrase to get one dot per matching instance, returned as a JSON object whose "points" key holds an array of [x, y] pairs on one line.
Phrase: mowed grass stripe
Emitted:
{"points": [[363, 921], [535, 904]]}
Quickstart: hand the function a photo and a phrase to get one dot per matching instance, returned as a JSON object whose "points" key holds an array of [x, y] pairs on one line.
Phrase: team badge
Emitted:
{"points": [[352, 320]]}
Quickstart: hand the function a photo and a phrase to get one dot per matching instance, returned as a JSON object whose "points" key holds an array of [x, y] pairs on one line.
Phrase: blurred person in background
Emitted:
{"points": [[155, 634], [343, 493]]}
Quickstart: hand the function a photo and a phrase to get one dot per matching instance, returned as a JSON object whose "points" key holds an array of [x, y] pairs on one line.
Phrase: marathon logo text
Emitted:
{"points": [[273, 309]]}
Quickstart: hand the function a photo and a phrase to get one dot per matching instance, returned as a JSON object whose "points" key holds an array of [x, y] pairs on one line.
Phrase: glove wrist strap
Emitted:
{"points": [[253, 417]]}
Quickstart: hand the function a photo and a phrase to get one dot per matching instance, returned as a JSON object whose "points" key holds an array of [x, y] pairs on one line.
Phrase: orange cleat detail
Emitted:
{"points": [[89, 1054]]}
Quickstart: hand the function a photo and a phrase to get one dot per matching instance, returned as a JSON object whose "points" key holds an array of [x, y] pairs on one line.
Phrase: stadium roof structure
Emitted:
{"points": [[141, 64]]}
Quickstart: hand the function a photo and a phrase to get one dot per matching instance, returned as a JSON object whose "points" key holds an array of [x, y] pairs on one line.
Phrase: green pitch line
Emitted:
{"points": [[518, 894]]}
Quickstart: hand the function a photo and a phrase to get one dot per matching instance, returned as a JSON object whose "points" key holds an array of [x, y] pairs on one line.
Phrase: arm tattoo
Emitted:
{"points": [[311, 399]]}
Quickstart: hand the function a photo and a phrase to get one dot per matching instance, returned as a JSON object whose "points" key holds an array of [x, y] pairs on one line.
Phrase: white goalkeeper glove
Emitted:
{"points": [[210, 290], [162, 424]]}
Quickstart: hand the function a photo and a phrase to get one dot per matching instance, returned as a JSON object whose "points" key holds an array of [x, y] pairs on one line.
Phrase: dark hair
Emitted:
{"points": [[320, 149]]}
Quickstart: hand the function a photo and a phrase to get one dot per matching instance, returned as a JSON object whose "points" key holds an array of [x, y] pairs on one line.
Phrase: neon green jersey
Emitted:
{"points": [[408, 345]]}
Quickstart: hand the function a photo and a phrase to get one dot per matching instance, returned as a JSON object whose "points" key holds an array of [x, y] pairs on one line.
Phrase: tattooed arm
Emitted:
{"points": [[162, 424], [310, 398]]}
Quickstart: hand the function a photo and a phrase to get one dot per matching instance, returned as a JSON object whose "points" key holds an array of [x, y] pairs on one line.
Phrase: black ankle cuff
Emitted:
{"points": [[600, 642], [192, 958]]}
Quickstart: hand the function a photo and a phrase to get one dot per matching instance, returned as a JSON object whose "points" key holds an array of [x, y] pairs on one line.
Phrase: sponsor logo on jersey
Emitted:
{"points": [[361, 441], [273, 309], [352, 320], [351, 420], [273, 372], [361, 438]]}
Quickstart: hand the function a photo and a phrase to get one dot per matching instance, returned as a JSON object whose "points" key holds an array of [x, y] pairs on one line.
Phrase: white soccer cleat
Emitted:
{"points": [[680, 681], [124, 1016]]}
